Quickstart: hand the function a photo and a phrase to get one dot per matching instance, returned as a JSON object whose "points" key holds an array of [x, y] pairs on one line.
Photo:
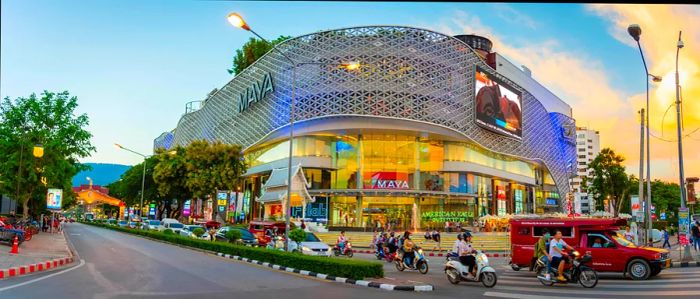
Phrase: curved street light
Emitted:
{"points": [[143, 177]]}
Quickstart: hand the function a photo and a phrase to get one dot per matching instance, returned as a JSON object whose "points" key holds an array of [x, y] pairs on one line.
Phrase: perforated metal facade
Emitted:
{"points": [[406, 73]]}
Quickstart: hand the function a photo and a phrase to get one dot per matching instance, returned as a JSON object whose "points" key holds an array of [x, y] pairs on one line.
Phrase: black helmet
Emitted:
{"points": [[467, 235]]}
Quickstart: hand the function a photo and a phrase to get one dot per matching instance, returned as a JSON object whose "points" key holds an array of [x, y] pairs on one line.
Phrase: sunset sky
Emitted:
{"points": [[134, 64]]}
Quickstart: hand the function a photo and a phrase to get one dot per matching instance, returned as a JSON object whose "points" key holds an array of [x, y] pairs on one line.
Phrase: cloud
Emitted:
{"points": [[581, 80], [513, 16]]}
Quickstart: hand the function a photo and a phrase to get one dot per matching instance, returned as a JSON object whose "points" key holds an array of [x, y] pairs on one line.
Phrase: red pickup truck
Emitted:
{"points": [[610, 251]]}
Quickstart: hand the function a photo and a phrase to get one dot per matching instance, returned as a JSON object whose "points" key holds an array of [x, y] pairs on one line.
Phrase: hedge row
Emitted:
{"points": [[354, 269]]}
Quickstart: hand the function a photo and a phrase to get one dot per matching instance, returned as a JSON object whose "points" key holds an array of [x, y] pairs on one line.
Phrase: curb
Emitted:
{"points": [[438, 254], [365, 283], [31, 268], [685, 264]]}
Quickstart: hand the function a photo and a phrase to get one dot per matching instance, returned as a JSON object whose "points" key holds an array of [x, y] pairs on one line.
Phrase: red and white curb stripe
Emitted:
{"points": [[27, 269], [437, 254]]}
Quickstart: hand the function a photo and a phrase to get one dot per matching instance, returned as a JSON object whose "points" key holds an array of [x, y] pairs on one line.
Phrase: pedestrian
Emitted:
{"points": [[436, 237], [665, 234], [303, 225], [695, 232]]}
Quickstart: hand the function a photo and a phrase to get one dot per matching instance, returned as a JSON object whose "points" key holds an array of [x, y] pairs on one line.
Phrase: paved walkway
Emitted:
{"points": [[42, 247]]}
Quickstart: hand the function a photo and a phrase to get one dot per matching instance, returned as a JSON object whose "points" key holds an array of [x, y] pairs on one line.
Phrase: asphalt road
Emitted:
{"points": [[117, 265]]}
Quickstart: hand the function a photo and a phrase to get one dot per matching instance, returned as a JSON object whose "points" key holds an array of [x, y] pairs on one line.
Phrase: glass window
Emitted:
{"points": [[599, 241], [345, 155], [465, 152]]}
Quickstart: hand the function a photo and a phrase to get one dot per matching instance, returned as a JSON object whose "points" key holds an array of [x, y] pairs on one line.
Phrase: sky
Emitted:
{"points": [[134, 64]]}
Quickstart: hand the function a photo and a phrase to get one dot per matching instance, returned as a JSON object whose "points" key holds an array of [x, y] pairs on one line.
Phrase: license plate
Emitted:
{"points": [[668, 263]]}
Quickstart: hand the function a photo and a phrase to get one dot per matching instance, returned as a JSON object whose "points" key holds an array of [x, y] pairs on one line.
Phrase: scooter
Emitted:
{"points": [[420, 263], [277, 243], [347, 251], [380, 253], [457, 272], [578, 272]]}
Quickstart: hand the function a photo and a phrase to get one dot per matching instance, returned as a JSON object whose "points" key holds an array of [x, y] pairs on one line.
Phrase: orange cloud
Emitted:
{"points": [[582, 81]]}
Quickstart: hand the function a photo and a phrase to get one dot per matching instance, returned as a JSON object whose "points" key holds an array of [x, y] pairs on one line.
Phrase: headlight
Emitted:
{"points": [[420, 251], [576, 254], [657, 256], [304, 248]]}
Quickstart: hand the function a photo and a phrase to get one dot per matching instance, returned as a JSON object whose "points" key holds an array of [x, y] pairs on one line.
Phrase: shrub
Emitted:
{"points": [[168, 231], [198, 232], [297, 235], [233, 235], [354, 269]]}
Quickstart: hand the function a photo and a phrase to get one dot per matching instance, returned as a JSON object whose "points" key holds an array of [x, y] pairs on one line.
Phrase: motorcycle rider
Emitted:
{"points": [[466, 251], [391, 243], [408, 247], [342, 240], [541, 253], [380, 243], [556, 251]]}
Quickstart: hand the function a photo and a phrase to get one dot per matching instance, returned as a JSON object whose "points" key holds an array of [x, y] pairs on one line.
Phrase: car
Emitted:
{"points": [[122, 223], [246, 236], [176, 227], [112, 221], [263, 230], [312, 245], [133, 224], [153, 225], [188, 231]]}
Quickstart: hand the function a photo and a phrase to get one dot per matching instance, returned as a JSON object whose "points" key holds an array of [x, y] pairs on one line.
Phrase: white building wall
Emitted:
{"points": [[587, 148]]}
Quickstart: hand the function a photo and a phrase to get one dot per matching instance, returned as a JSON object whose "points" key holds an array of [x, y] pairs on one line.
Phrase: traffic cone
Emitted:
{"points": [[15, 246]]}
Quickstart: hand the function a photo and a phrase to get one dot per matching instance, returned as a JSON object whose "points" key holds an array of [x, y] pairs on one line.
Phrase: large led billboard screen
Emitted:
{"points": [[498, 105]]}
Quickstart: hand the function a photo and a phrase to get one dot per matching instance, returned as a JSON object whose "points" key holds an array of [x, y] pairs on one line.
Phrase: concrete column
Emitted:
{"points": [[358, 212], [416, 173], [360, 162]]}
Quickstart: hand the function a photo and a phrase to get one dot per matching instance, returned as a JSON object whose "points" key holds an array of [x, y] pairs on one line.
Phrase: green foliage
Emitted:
{"points": [[233, 235], [168, 231], [252, 50], [49, 120], [128, 187], [297, 235], [353, 269], [212, 166], [170, 176], [198, 232], [609, 179]]}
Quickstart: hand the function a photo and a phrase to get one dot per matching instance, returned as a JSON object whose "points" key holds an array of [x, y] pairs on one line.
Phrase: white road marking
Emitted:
{"points": [[82, 263], [75, 234], [607, 292], [524, 296]]}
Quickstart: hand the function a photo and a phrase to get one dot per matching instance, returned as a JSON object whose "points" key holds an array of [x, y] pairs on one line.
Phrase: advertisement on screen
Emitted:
{"points": [[498, 105], [54, 197]]}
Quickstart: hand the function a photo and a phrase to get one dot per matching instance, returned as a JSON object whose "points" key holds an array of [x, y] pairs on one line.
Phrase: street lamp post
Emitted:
{"points": [[635, 31], [143, 177], [237, 21], [678, 126]]}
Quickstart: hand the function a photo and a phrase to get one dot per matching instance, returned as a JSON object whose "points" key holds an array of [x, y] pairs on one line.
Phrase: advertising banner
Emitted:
{"points": [[54, 197], [186, 208], [152, 209], [636, 207], [386, 180], [683, 220], [498, 105]]}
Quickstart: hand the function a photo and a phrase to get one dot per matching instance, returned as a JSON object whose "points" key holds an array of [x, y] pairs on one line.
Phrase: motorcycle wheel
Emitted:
{"points": [[542, 273], [379, 257], [336, 252], [489, 279], [588, 278], [399, 266], [453, 276], [423, 267], [350, 253]]}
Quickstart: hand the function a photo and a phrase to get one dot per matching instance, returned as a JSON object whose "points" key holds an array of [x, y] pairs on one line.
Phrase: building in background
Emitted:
{"points": [[587, 148], [430, 128]]}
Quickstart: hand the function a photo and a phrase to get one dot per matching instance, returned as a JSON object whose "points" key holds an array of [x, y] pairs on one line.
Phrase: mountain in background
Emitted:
{"points": [[101, 174]]}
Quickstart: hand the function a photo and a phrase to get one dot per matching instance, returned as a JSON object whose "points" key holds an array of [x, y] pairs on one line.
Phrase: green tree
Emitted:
{"points": [[297, 235], [609, 179], [49, 120], [251, 51], [128, 187], [666, 198], [233, 235], [170, 176]]}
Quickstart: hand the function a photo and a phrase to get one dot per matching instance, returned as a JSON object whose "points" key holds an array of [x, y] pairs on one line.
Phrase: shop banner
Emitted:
{"points": [[683, 220], [152, 209], [54, 197], [386, 180], [186, 208]]}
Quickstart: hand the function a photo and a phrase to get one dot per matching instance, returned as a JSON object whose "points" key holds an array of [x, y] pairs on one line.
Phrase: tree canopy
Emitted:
{"points": [[48, 120], [609, 179], [251, 51]]}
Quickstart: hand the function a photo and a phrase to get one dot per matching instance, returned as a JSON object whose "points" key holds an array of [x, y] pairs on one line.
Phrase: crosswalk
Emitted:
{"points": [[678, 283]]}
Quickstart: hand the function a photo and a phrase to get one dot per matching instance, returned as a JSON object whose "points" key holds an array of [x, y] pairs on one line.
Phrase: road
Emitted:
{"points": [[117, 265]]}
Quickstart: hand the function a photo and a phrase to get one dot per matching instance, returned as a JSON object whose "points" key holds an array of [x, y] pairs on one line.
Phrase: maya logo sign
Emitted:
{"points": [[388, 180], [255, 93]]}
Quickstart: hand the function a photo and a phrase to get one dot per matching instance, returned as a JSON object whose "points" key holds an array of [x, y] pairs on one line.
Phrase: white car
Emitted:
{"points": [[312, 246], [176, 227], [188, 231], [153, 225]]}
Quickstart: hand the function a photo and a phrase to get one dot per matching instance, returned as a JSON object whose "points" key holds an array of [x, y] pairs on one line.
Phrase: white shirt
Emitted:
{"points": [[462, 247], [559, 244]]}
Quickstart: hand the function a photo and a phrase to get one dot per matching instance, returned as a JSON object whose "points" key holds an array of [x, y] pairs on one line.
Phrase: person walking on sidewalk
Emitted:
{"points": [[695, 234], [665, 234]]}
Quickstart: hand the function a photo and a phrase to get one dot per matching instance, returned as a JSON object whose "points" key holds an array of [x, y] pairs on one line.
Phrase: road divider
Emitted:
{"points": [[353, 269]]}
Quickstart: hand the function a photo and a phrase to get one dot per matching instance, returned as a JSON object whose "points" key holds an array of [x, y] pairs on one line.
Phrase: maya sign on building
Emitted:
{"points": [[387, 180], [255, 93]]}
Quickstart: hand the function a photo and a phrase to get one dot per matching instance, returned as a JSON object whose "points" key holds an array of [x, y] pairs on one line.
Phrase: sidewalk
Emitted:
{"points": [[43, 251]]}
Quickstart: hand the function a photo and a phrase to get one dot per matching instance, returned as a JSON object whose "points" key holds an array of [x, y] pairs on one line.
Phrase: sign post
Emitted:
{"points": [[683, 230]]}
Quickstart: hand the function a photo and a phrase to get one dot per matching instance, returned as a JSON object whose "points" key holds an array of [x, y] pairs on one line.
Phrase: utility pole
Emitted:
{"points": [[641, 164], [678, 125]]}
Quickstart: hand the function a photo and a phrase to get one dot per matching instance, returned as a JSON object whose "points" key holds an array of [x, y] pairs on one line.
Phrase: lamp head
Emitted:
{"points": [[118, 146], [655, 78], [237, 21], [351, 66], [635, 31]]}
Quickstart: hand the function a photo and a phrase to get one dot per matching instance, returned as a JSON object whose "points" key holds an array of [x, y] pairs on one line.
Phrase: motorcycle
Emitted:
{"points": [[347, 251], [420, 263], [457, 272], [577, 271], [277, 243]]}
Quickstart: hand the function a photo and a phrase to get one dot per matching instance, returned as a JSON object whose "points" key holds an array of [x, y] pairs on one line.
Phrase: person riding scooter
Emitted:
{"points": [[466, 251], [556, 250], [342, 240], [408, 247]]}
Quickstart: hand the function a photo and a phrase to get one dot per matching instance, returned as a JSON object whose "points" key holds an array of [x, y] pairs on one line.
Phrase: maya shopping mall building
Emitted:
{"points": [[430, 128]]}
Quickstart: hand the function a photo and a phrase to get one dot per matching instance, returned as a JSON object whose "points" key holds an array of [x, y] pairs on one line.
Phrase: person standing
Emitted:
{"points": [[695, 234], [665, 234], [629, 235]]}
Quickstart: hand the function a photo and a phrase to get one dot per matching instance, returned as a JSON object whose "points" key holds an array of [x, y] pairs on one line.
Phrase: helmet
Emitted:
{"points": [[467, 235]]}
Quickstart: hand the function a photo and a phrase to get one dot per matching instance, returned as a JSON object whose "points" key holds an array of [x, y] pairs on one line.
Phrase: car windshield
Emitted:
{"points": [[311, 238], [177, 225], [122, 222], [193, 227], [246, 234], [622, 241], [154, 222]]}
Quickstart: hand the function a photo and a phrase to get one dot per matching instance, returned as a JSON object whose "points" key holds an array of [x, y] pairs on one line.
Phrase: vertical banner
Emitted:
{"points": [[152, 210], [683, 220], [636, 208], [54, 197], [186, 208], [221, 201]]}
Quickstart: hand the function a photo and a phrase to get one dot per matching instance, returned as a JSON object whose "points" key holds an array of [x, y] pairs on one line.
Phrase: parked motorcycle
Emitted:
{"points": [[457, 272], [420, 263], [347, 251], [576, 272]]}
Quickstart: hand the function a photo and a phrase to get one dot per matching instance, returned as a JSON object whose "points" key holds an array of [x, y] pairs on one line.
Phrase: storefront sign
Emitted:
{"points": [[186, 208], [440, 217], [152, 209], [551, 201], [518, 201], [255, 93], [387, 180], [314, 211]]}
